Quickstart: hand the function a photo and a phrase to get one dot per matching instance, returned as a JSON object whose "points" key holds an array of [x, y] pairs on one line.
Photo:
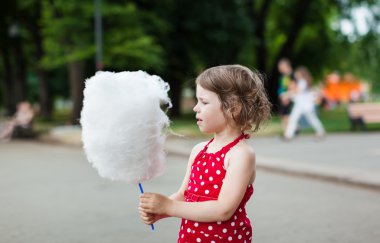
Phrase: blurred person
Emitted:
{"points": [[286, 83], [304, 104], [20, 122], [331, 91]]}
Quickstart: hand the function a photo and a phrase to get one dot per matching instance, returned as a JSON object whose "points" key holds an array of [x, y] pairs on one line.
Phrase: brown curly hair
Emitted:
{"points": [[241, 92]]}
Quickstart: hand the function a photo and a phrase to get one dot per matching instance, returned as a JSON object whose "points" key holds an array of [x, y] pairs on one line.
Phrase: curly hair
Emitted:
{"points": [[241, 92]]}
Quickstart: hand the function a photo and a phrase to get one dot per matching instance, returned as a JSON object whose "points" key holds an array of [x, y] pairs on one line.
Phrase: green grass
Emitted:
{"points": [[59, 118], [333, 121]]}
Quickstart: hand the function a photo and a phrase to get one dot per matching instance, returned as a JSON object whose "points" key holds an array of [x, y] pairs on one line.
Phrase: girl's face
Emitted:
{"points": [[209, 114]]}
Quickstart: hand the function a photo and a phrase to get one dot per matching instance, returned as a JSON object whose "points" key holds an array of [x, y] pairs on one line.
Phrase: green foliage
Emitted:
{"points": [[178, 38], [127, 45], [68, 31]]}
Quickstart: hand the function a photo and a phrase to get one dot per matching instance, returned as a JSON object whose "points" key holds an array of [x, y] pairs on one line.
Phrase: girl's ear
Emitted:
{"points": [[235, 111]]}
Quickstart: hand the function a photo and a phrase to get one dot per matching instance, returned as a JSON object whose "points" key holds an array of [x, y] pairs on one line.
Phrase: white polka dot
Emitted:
{"points": [[186, 221], [216, 186], [207, 192], [224, 230], [204, 163], [217, 159], [241, 223], [239, 237], [213, 164], [197, 168], [218, 172], [219, 222], [210, 227], [196, 224], [233, 224], [247, 233], [212, 241], [193, 232], [202, 183], [222, 155], [196, 189], [240, 210], [198, 240], [188, 230], [210, 178], [189, 187], [192, 175], [230, 238], [206, 171], [181, 227], [200, 177], [235, 217], [207, 235], [182, 236], [195, 182], [235, 231]]}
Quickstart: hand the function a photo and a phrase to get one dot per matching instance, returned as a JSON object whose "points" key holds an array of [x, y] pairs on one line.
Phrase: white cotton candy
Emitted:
{"points": [[123, 125]]}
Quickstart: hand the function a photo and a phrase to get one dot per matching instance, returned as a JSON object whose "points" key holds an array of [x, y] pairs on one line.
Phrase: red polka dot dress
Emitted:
{"points": [[206, 180]]}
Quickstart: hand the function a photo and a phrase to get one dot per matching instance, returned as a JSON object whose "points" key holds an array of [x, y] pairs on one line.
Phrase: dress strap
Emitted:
{"points": [[233, 143], [206, 146]]}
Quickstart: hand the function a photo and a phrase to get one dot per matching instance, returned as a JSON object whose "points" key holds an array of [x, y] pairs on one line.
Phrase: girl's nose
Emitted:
{"points": [[195, 109]]}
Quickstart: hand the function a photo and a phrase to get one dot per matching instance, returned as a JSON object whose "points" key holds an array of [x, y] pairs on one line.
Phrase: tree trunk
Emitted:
{"points": [[35, 30], [20, 71], [76, 76], [259, 20], [8, 97], [287, 48]]}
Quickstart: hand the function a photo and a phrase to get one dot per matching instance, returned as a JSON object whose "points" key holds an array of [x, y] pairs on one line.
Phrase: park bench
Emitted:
{"points": [[361, 114]]}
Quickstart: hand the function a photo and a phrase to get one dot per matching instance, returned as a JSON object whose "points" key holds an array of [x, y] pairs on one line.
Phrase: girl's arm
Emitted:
{"points": [[240, 170]]}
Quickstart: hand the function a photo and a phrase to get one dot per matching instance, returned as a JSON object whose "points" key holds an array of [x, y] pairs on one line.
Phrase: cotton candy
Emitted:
{"points": [[123, 125]]}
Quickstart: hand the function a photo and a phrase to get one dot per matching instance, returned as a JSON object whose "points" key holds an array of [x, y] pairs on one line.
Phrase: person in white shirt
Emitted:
{"points": [[304, 105]]}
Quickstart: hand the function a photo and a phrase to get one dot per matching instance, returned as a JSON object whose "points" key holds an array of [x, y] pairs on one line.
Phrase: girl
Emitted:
{"points": [[220, 173], [304, 100]]}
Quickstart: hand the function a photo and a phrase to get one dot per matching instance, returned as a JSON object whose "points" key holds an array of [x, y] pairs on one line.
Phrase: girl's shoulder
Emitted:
{"points": [[196, 149], [242, 150]]}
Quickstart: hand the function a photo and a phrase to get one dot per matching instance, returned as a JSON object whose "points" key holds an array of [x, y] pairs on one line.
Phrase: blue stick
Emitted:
{"points": [[142, 192]]}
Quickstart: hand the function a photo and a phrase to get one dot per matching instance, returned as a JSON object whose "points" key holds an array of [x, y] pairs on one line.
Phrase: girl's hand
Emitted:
{"points": [[154, 203], [149, 218]]}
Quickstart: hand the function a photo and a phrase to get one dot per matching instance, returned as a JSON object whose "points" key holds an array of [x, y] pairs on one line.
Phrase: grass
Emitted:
{"points": [[333, 121]]}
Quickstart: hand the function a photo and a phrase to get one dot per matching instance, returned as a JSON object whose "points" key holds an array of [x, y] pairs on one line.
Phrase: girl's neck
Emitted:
{"points": [[225, 136]]}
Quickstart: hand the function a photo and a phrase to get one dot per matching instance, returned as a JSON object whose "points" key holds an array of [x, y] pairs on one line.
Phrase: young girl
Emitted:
{"points": [[220, 173], [304, 100]]}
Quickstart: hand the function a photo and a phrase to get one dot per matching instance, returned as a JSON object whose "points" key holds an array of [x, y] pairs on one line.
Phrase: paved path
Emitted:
{"points": [[351, 158], [348, 158], [50, 194]]}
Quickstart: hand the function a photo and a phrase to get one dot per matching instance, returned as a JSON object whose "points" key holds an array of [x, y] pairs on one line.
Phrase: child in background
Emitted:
{"points": [[304, 105], [220, 173], [285, 84]]}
